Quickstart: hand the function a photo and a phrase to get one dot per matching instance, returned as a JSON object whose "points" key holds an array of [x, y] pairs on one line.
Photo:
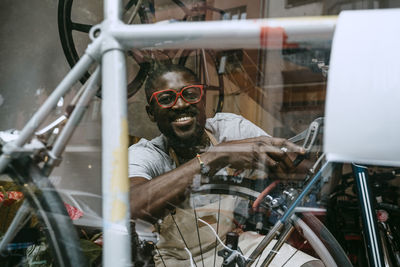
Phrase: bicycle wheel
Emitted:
{"points": [[70, 31], [309, 244], [54, 223]]}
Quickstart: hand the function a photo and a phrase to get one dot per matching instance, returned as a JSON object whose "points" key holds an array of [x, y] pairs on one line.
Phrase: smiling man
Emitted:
{"points": [[176, 105], [162, 170]]}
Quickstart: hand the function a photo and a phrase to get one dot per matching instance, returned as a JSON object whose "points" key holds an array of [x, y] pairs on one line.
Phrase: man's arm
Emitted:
{"points": [[150, 199]]}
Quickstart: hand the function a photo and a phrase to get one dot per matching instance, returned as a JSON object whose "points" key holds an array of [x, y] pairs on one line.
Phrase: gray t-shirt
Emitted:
{"points": [[150, 159]]}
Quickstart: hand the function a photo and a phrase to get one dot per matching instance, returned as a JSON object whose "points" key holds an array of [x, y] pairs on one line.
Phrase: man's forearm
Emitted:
{"points": [[150, 199]]}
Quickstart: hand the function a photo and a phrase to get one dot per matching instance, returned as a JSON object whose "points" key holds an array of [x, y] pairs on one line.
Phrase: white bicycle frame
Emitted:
{"points": [[110, 39]]}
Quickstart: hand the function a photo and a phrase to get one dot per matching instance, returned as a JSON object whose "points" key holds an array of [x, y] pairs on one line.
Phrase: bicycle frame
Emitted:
{"points": [[369, 220], [110, 39]]}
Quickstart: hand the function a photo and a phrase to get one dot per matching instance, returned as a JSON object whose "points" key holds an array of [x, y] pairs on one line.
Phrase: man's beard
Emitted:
{"points": [[190, 142], [177, 138]]}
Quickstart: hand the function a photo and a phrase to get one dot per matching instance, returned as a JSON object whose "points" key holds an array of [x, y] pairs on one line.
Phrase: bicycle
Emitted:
{"points": [[344, 224], [203, 62], [107, 37]]}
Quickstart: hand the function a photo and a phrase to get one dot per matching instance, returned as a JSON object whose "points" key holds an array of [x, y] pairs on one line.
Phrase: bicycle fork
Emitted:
{"points": [[279, 225], [368, 215]]}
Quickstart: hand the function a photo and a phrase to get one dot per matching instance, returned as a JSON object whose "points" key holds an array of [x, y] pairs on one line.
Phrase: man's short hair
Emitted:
{"points": [[160, 70]]}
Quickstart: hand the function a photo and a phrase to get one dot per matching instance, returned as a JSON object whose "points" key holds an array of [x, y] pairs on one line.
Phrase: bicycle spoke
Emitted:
{"points": [[204, 65], [135, 12], [198, 233], [258, 260], [182, 6], [81, 27], [180, 233], [129, 5], [297, 250], [278, 245], [216, 238]]}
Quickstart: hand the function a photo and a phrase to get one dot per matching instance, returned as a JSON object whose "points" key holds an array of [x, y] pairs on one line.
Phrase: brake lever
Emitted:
{"points": [[309, 136], [312, 133]]}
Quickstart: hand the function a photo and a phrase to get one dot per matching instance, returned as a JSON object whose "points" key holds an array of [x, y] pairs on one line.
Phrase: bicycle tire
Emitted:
{"points": [[328, 240], [65, 29], [321, 240], [49, 208]]}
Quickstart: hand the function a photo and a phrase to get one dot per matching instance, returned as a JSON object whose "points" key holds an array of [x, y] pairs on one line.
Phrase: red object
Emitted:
{"points": [[263, 194], [12, 196], [99, 241], [179, 94], [275, 38], [382, 215], [73, 212]]}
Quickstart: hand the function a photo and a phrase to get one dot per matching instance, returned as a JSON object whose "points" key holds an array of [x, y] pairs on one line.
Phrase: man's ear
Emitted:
{"points": [[150, 113]]}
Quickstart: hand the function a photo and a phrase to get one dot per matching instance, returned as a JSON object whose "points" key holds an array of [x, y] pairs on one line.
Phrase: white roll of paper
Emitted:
{"points": [[362, 123]]}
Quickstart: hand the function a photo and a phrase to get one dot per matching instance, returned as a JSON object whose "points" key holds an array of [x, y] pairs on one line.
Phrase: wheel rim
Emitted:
{"points": [[66, 27], [306, 231]]}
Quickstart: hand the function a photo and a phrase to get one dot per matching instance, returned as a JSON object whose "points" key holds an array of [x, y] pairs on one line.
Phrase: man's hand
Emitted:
{"points": [[276, 154], [151, 198]]}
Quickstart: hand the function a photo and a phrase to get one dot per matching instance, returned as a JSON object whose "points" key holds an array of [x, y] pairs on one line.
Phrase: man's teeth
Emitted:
{"points": [[182, 119]]}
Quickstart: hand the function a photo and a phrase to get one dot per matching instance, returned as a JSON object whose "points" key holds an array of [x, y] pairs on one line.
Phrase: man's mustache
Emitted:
{"points": [[188, 112]]}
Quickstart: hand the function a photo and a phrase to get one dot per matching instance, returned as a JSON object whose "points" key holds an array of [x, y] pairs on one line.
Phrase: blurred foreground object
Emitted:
{"points": [[363, 99]]}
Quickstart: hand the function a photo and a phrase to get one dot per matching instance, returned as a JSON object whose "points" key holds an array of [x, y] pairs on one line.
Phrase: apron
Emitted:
{"points": [[188, 235]]}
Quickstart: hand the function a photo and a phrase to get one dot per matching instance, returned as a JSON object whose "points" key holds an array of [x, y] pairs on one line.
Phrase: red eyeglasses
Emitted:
{"points": [[191, 94]]}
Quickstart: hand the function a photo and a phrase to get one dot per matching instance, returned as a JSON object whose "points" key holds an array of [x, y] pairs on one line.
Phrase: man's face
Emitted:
{"points": [[183, 123]]}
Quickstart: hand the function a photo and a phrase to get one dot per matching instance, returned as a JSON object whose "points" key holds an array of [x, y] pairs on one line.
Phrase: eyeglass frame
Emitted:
{"points": [[178, 94]]}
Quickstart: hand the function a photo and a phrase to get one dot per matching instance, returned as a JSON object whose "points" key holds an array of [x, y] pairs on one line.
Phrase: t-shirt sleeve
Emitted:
{"points": [[228, 127], [140, 163], [146, 161]]}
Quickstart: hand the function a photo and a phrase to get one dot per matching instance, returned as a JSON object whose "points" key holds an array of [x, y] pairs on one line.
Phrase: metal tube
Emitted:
{"points": [[112, 9], [76, 72], [76, 115], [368, 215], [264, 33], [305, 191], [279, 243], [115, 184], [21, 218], [264, 243], [289, 212], [73, 120]]}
